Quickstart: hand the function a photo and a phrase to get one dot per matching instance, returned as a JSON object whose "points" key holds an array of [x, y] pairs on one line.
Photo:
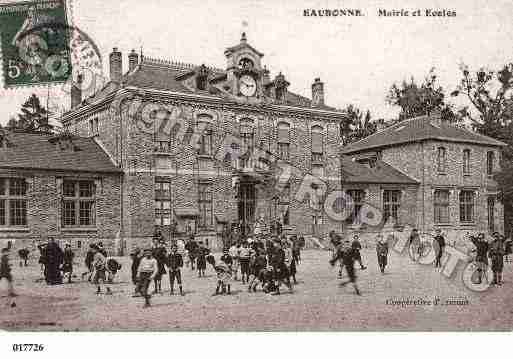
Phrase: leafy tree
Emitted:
{"points": [[490, 94], [358, 125], [417, 100], [11, 124], [33, 116]]}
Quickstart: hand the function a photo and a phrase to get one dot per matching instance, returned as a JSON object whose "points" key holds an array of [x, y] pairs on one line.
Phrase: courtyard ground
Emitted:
{"points": [[318, 303]]}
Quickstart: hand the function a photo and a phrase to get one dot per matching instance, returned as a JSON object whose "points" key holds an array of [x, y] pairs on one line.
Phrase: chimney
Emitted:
{"points": [[133, 61], [317, 93], [76, 92], [435, 117], [116, 66], [266, 76], [380, 124]]}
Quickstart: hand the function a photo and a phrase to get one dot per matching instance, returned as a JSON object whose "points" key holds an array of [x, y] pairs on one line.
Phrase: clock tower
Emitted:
{"points": [[244, 71]]}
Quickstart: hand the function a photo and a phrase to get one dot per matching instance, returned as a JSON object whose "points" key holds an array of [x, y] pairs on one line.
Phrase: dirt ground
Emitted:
{"points": [[318, 302]]}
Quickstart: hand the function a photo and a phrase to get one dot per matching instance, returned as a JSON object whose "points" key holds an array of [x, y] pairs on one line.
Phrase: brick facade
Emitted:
{"points": [[44, 210]]}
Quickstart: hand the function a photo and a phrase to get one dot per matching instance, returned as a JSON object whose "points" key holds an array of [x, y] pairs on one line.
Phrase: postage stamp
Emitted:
{"points": [[35, 43]]}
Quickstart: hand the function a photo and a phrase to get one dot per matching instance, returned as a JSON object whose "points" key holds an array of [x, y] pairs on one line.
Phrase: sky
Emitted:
{"points": [[358, 58]]}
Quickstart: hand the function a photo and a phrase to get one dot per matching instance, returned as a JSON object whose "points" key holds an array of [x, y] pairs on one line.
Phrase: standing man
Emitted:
{"points": [[481, 255], [496, 254], [174, 264], [55, 256], [146, 273], [192, 248], [5, 271], [382, 252], [201, 263], [440, 243], [23, 254], [415, 245], [280, 269], [356, 245]]}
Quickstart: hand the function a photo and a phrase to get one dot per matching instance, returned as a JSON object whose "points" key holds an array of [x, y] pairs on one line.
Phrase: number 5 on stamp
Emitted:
{"points": [[34, 43]]}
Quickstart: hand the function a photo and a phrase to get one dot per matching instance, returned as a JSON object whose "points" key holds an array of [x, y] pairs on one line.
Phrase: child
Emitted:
{"points": [[5, 271], [244, 255], [201, 260], [67, 266], [160, 254], [89, 262], [258, 264], [356, 250], [224, 275], [136, 259], [23, 254], [382, 252], [113, 266], [344, 253], [99, 265], [234, 253], [175, 263], [148, 268]]}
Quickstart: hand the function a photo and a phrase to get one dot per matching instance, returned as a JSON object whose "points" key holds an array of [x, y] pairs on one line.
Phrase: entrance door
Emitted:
{"points": [[247, 204]]}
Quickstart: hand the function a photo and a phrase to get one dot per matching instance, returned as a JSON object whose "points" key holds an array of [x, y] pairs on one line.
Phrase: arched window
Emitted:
{"points": [[204, 128], [284, 140], [490, 159], [317, 143], [466, 161], [441, 160]]}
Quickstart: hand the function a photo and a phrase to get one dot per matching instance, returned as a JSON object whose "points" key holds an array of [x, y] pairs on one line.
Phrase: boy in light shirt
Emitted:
{"points": [[148, 269]]}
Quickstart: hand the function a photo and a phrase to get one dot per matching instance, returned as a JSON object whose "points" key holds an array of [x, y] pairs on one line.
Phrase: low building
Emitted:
{"points": [[61, 186], [453, 166]]}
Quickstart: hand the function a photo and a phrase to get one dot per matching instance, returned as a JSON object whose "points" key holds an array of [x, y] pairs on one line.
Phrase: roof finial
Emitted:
{"points": [[243, 38]]}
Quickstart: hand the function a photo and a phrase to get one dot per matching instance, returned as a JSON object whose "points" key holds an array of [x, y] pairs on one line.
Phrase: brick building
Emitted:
{"points": [[60, 186], [453, 166], [182, 186]]}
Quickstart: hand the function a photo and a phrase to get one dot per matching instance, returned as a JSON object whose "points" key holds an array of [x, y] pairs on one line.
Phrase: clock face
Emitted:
{"points": [[247, 85]]}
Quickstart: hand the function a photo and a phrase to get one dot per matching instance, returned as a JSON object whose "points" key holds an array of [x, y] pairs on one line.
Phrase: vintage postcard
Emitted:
{"points": [[255, 166]]}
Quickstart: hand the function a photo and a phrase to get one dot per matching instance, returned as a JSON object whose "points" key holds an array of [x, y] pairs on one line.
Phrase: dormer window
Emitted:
{"points": [[246, 64]]}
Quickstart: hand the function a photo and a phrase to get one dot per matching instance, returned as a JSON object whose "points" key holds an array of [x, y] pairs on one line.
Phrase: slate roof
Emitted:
{"points": [[383, 173], [162, 75], [419, 129], [40, 151]]}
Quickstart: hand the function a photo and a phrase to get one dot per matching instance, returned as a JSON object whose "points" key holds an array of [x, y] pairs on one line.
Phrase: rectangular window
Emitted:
{"points": [[391, 204], [285, 195], [2, 212], [162, 203], [205, 205], [78, 203], [441, 206], [13, 202], [18, 212], [205, 140], [491, 214], [358, 197], [283, 151], [318, 171], [317, 157], [441, 160], [163, 146], [466, 162], [490, 159], [317, 143], [467, 206]]}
